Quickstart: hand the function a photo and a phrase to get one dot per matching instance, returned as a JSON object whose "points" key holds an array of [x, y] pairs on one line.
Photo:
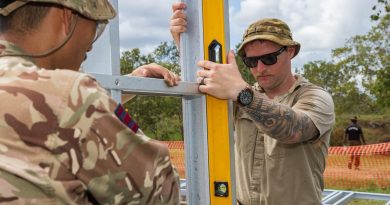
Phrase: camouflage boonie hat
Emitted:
{"points": [[93, 9], [269, 29]]}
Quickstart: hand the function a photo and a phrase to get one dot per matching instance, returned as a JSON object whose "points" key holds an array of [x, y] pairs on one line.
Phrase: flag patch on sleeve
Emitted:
{"points": [[125, 117]]}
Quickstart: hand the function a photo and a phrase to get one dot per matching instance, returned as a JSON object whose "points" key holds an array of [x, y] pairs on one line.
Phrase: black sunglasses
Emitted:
{"points": [[267, 59]]}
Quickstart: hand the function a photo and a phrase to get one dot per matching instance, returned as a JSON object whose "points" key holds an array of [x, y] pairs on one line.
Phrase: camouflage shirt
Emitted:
{"points": [[61, 142]]}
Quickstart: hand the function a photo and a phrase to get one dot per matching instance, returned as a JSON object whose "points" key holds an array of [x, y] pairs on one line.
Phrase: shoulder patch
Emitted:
{"points": [[125, 117]]}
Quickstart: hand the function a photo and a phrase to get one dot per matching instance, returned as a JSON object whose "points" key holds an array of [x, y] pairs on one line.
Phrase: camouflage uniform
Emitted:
{"points": [[61, 142]]}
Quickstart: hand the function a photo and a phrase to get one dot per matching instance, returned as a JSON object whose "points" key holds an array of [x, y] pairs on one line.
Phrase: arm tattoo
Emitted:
{"points": [[280, 121]]}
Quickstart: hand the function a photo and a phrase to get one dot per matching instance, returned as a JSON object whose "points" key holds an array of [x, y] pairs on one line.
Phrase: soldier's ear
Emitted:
{"points": [[68, 19], [291, 51]]}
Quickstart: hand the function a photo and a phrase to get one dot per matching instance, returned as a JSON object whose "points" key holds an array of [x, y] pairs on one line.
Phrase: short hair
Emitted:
{"points": [[24, 19], [354, 119]]}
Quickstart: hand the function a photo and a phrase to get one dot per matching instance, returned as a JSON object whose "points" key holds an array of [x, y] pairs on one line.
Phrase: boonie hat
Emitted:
{"points": [[97, 10], [269, 29]]}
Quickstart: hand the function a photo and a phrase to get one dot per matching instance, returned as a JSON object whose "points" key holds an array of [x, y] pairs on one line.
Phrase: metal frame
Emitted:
{"points": [[195, 125], [105, 66], [340, 197]]}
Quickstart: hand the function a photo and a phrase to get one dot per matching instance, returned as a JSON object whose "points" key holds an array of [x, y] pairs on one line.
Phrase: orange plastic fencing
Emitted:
{"points": [[176, 150], [366, 166], [373, 168]]}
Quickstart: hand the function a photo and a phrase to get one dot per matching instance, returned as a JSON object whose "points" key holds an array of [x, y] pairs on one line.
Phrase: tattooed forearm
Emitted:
{"points": [[280, 121]]}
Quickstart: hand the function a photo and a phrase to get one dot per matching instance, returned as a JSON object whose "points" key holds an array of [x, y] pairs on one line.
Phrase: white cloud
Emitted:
{"points": [[318, 25], [144, 24]]}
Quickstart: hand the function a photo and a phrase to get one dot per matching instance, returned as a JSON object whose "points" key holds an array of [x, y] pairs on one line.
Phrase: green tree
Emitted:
{"points": [[337, 81], [244, 70], [358, 76], [132, 59], [368, 57], [159, 117], [378, 9]]}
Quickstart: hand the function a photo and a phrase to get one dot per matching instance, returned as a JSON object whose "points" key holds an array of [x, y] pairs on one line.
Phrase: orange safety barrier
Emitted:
{"points": [[366, 166], [176, 150], [373, 170]]}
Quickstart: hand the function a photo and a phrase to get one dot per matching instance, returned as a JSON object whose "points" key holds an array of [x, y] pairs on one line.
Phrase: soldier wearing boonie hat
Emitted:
{"points": [[272, 153], [269, 29], [282, 123], [64, 140]]}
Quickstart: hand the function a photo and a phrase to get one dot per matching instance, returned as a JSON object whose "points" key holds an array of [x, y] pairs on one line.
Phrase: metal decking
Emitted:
{"points": [[341, 197], [331, 196]]}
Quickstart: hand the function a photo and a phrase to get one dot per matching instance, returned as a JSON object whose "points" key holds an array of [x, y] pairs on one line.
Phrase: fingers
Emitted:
{"points": [[178, 6], [178, 22], [178, 18], [203, 88], [202, 83], [176, 31], [201, 80], [156, 71], [138, 72], [177, 79], [208, 65], [171, 79], [203, 74], [231, 58], [209, 68]]}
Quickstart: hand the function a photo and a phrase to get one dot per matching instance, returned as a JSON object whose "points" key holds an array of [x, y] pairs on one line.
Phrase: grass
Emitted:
{"points": [[385, 190], [365, 202], [370, 188], [376, 127]]}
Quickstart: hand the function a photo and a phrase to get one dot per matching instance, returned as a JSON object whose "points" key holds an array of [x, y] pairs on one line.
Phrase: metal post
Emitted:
{"points": [[194, 110], [105, 56]]}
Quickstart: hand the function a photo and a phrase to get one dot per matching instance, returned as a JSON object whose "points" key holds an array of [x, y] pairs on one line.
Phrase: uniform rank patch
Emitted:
{"points": [[124, 117]]}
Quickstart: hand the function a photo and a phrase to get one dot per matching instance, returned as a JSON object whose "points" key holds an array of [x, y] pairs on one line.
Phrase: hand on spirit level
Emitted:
{"points": [[223, 81]]}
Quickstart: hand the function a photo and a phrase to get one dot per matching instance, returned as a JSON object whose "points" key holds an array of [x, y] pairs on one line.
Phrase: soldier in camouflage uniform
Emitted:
{"points": [[61, 142], [282, 123]]}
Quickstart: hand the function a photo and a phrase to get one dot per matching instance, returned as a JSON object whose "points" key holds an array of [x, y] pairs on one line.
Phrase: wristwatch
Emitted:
{"points": [[245, 97]]}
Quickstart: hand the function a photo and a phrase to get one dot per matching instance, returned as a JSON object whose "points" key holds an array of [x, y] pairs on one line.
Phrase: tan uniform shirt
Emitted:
{"points": [[61, 142], [272, 173]]}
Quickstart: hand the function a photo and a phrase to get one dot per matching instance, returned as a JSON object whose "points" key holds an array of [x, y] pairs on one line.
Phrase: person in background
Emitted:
{"points": [[354, 137], [64, 140], [282, 123]]}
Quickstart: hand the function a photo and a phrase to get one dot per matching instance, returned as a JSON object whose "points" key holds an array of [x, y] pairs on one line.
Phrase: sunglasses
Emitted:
{"points": [[100, 26], [267, 59]]}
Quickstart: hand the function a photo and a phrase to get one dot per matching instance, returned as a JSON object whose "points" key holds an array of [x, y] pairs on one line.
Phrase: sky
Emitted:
{"points": [[319, 26]]}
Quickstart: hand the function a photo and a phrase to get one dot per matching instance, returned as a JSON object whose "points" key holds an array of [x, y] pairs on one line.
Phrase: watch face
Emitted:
{"points": [[246, 97]]}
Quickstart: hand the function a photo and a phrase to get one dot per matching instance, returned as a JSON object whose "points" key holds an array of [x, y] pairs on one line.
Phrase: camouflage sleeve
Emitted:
{"points": [[117, 165]]}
